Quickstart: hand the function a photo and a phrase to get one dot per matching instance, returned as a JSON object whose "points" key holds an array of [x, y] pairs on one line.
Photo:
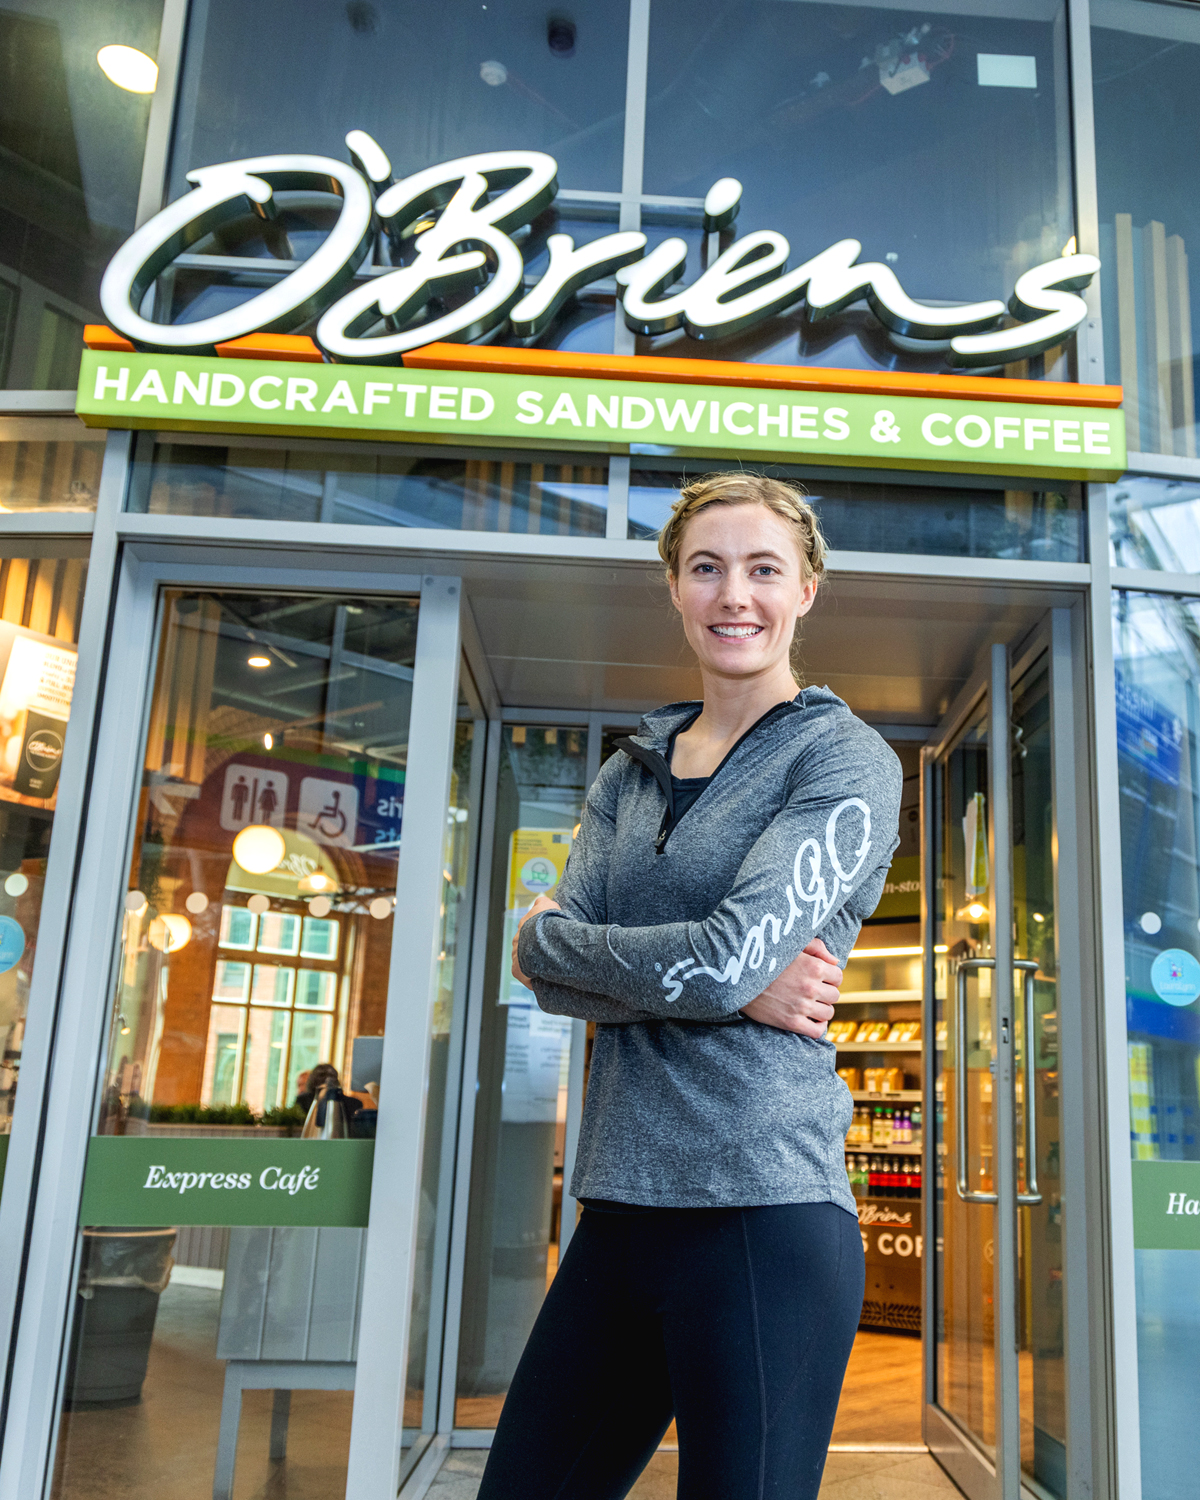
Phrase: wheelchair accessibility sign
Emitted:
{"points": [[328, 811]]}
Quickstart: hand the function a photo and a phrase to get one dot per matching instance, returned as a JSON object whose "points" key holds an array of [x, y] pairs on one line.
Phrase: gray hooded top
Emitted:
{"points": [[669, 927]]}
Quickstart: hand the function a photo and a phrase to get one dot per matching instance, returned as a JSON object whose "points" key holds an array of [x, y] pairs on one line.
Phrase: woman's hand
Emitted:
{"points": [[801, 999], [543, 903]]}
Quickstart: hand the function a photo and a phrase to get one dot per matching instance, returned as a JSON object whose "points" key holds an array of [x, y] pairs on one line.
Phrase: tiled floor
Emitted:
{"points": [[848, 1476]]}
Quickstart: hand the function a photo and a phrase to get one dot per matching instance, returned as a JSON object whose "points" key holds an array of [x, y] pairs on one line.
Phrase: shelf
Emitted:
{"points": [[904, 1096], [879, 997], [909, 1150], [878, 1046]]}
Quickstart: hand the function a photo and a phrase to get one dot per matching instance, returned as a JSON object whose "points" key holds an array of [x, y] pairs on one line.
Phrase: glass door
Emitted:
{"points": [[996, 1388]]}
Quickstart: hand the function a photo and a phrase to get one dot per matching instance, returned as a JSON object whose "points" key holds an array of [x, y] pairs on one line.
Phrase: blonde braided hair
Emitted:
{"points": [[783, 499]]}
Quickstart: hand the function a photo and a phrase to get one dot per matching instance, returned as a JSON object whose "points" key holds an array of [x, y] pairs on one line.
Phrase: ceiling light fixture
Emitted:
{"points": [[128, 69], [170, 932], [258, 661], [259, 848]]}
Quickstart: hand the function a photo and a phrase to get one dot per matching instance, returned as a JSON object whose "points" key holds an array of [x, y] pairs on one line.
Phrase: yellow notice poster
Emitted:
{"points": [[537, 858]]}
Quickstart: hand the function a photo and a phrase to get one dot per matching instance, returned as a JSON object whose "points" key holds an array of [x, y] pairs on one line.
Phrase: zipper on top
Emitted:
{"points": [[660, 768]]}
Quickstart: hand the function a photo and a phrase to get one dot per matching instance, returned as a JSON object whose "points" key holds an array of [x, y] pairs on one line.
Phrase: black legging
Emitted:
{"points": [[736, 1321]]}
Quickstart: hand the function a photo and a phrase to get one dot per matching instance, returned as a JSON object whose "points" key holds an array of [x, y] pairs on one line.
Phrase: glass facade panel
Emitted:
{"points": [[428, 85], [390, 487], [48, 463], [1030, 525], [1146, 72], [71, 145], [1157, 649], [429, 92], [1155, 523], [941, 142], [40, 604], [272, 797], [521, 1106]]}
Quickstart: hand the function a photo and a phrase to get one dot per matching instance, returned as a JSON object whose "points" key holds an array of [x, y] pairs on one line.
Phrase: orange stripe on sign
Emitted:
{"points": [[97, 336], [273, 346], [494, 360]]}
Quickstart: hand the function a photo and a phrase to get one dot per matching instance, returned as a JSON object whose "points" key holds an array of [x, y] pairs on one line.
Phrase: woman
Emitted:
{"points": [[717, 1271]]}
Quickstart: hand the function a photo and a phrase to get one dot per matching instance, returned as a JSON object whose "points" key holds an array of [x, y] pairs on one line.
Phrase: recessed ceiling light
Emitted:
{"points": [[258, 661], [129, 69]]}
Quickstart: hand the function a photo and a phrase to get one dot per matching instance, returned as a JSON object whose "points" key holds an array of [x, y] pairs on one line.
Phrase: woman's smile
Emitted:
{"points": [[741, 587]]}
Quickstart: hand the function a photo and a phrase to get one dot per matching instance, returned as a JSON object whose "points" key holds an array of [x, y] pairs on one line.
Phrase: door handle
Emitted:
{"points": [[1031, 1195], [1028, 969], [965, 967]]}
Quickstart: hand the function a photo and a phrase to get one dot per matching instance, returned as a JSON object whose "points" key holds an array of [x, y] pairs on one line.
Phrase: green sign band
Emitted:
{"points": [[1166, 1205], [135, 1181], [188, 392]]}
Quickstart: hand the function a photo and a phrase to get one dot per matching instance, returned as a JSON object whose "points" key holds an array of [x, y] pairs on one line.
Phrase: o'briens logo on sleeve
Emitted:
{"points": [[273, 1179]]}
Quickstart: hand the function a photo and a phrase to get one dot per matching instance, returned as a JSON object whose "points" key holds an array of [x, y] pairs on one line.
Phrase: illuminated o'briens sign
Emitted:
{"points": [[450, 231]]}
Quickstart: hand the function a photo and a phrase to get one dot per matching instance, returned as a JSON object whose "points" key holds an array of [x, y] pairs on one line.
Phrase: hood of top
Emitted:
{"points": [[657, 727]]}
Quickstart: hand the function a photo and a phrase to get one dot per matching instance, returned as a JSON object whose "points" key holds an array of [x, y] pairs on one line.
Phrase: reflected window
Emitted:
{"points": [[71, 146], [390, 487], [1155, 523], [279, 732], [1146, 72]]}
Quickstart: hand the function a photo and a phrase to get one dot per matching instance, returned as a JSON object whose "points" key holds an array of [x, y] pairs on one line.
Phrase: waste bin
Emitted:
{"points": [[122, 1273]]}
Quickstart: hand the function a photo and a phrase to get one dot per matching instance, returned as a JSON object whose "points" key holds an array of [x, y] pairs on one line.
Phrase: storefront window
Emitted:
{"points": [[940, 141], [384, 486], [1157, 648], [1155, 523], [40, 603], [244, 1047], [48, 463], [71, 145], [1029, 525], [515, 1226], [1146, 71]]}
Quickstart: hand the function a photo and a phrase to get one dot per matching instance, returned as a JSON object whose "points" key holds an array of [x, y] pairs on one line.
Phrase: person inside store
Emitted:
{"points": [[361, 1110], [726, 858], [325, 1076]]}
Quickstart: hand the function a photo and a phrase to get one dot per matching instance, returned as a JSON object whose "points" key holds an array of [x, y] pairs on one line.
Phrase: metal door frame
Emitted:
{"points": [[140, 570], [1061, 637]]}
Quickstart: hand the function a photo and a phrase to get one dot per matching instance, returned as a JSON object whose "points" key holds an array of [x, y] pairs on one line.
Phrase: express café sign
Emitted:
{"points": [[480, 201]]}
